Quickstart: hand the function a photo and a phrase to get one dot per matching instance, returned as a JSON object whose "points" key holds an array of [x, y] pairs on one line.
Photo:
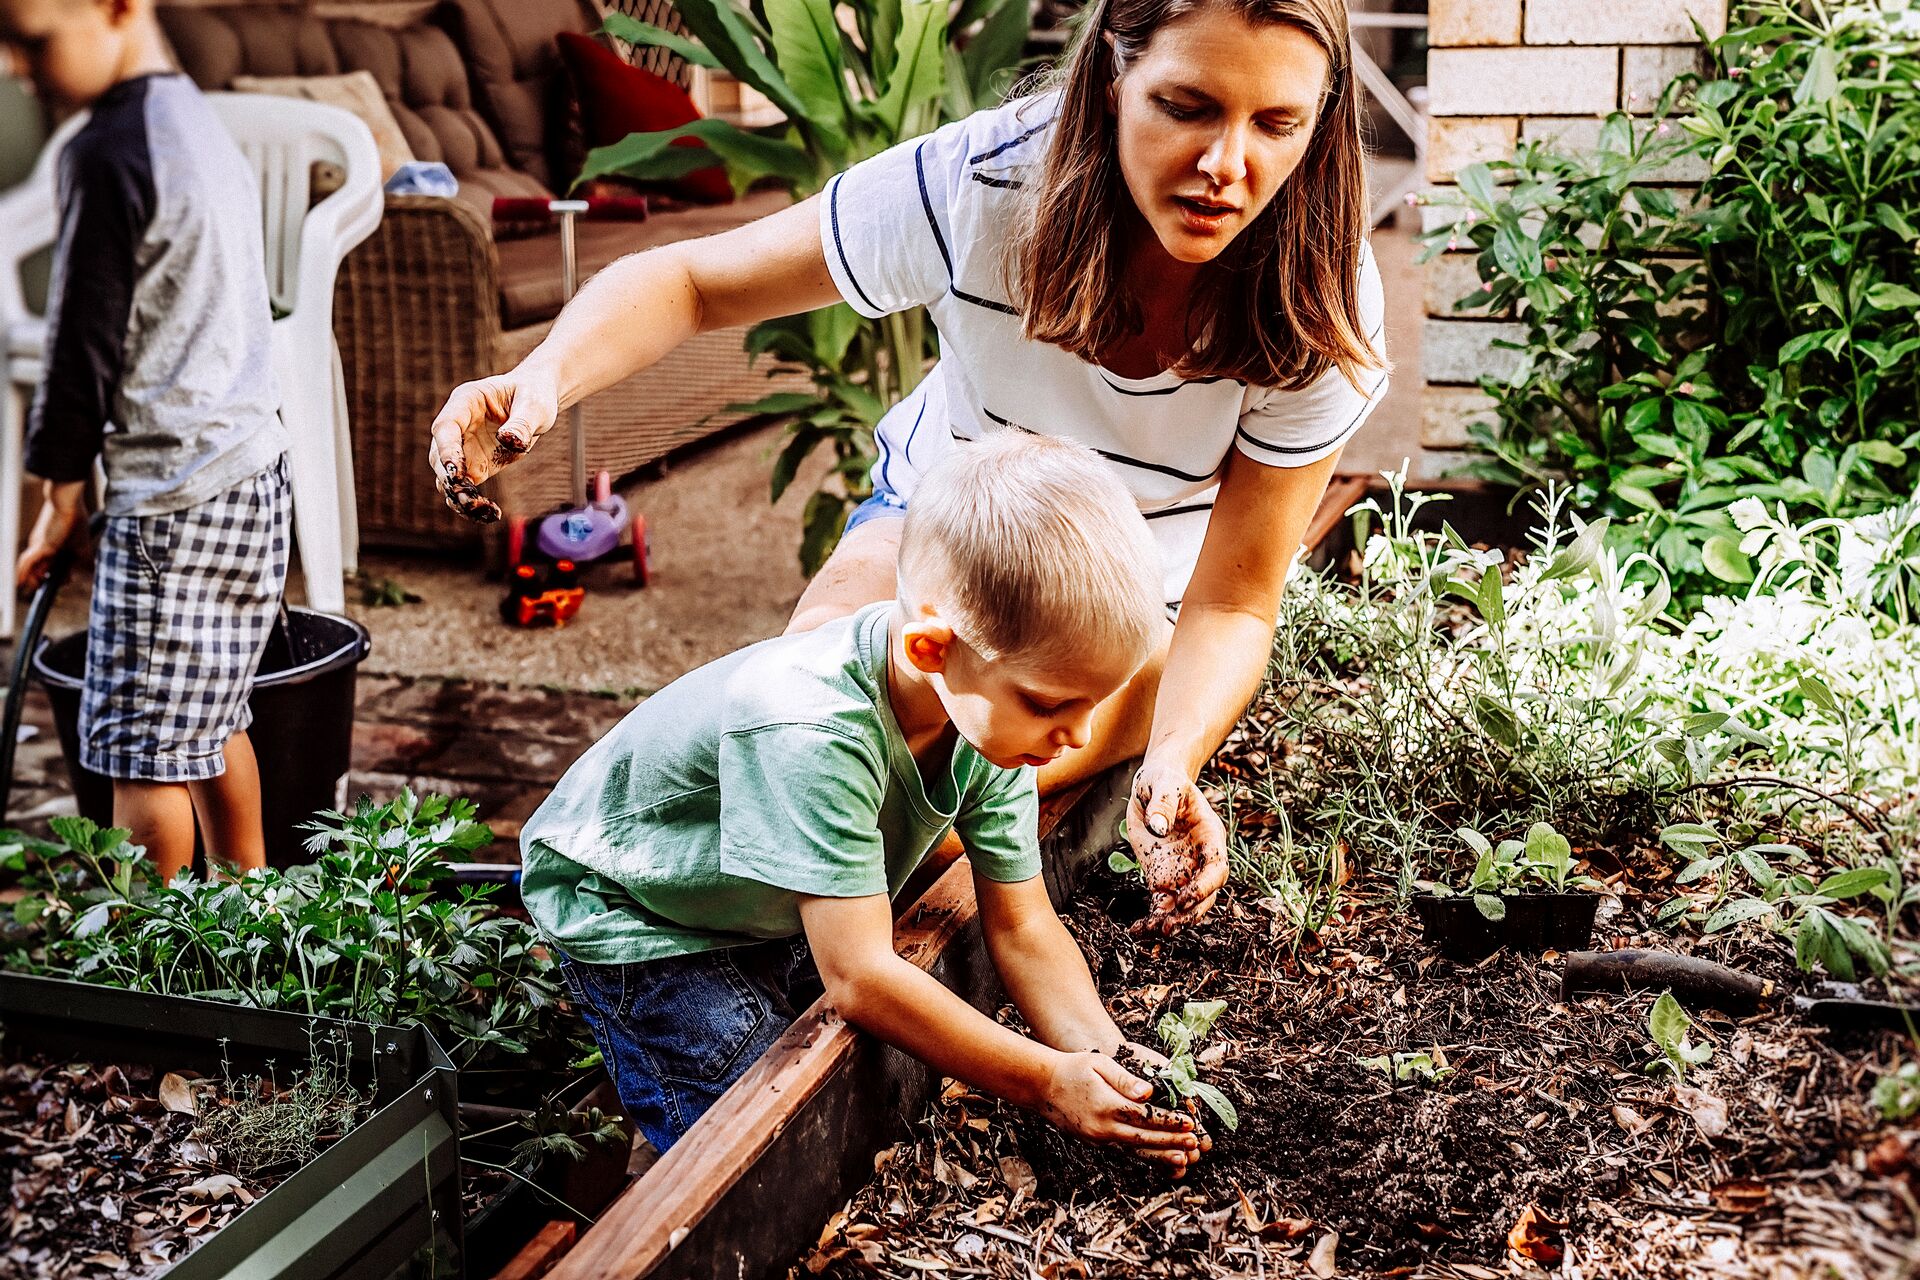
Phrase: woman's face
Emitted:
{"points": [[1211, 120]]}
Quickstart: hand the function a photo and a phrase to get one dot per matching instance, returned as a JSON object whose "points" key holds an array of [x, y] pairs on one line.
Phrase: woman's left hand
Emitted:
{"points": [[1180, 844]]}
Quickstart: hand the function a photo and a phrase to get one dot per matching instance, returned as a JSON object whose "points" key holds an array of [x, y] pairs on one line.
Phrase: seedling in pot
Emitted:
{"points": [[1181, 1076], [1668, 1024], [1544, 858]]}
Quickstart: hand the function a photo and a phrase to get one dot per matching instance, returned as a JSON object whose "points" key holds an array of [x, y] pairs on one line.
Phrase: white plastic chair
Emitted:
{"points": [[282, 138]]}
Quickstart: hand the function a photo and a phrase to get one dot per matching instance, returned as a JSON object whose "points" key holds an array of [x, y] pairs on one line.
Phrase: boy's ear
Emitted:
{"points": [[929, 645]]}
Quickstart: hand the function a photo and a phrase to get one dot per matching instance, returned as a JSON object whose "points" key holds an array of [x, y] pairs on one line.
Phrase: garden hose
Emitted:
{"points": [[24, 645]]}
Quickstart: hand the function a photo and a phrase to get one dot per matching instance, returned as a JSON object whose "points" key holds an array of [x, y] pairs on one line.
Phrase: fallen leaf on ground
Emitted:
{"points": [[1536, 1237], [1741, 1196], [1320, 1261], [177, 1095], [214, 1187], [1709, 1111], [1017, 1174], [1890, 1157]]}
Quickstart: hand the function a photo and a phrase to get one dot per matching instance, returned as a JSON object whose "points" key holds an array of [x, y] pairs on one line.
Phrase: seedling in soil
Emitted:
{"points": [[1668, 1024], [1897, 1093], [1179, 1033], [1403, 1067], [1545, 857]]}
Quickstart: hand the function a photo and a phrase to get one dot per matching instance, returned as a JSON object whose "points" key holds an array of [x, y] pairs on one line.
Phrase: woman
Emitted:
{"points": [[1163, 257]]}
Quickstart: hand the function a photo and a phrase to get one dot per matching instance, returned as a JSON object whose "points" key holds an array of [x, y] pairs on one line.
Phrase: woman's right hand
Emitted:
{"points": [[485, 425], [1093, 1097]]}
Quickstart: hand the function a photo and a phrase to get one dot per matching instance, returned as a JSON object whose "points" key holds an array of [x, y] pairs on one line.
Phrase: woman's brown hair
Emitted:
{"points": [[1279, 306]]}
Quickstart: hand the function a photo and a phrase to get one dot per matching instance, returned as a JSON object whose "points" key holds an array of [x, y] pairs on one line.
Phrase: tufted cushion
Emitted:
{"points": [[518, 78], [418, 69]]}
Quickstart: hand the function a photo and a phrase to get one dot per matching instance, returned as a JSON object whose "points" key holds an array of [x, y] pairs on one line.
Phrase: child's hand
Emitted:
{"points": [[59, 513], [485, 425], [1180, 844], [1093, 1097]]}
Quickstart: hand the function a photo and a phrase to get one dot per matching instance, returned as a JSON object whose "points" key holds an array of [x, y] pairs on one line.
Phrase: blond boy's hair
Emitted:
{"points": [[1031, 548]]}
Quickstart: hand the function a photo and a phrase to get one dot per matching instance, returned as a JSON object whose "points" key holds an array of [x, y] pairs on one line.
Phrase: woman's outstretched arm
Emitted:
{"points": [[1214, 665], [628, 317]]}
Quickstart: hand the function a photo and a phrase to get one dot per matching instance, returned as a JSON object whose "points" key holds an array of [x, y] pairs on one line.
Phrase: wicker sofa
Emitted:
{"points": [[434, 298]]}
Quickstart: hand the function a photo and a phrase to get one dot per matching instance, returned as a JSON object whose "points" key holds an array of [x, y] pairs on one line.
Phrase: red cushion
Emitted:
{"points": [[617, 99]]}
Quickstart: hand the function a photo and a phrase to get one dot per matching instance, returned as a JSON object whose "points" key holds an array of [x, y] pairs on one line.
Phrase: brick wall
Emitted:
{"points": [[1504, 71]]}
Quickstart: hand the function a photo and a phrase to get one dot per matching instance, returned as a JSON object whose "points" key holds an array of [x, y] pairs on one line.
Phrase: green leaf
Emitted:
{"points": [[1883, 453], [918, 74], [1815, 690], [1739, 911], [1821, 80], [1475, 841], [1724, 560], [728, 33], [1119, 861], [995, 47], [1851, 884], [1200, 1015], [1492, 598], [1892, 297], [806, 42], [748, 156], [1218, 1102], [1491, 905], [633, 31]]}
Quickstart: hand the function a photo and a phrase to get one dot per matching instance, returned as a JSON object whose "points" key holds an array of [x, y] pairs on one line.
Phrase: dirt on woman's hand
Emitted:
{"points": [[485, 426], [1180, 844], [1093, 1097]]}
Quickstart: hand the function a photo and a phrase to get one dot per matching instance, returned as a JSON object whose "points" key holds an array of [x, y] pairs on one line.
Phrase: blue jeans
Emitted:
{"points": [[676, 1032]]}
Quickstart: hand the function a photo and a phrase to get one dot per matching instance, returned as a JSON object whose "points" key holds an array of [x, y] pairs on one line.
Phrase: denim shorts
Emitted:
{"points": [[676, 1032], [883, 504]]}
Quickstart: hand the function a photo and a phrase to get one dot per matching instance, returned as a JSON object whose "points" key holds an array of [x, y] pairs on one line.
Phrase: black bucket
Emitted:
{"points": [[302, 730]]}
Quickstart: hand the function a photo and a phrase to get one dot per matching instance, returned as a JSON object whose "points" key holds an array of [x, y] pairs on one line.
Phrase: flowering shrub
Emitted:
{"points": [[1759, 341]]}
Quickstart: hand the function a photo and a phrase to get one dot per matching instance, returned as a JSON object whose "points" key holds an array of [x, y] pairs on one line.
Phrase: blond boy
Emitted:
{"points": [[731, 848]]}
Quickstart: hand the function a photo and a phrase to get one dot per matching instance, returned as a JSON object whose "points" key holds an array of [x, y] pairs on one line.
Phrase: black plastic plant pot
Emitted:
{"points": [[381, 1203], [1534, 922], [302, 730]]}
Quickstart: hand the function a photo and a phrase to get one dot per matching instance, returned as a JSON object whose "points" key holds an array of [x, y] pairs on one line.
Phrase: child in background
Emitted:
{"points": [[732, 847], [157, 362]]}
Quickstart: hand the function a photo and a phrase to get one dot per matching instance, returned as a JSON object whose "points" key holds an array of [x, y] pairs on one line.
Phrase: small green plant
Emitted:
{"points": [[1790, 900], [1544, 857], [1180, 1033], [1896, 1095], [1423, 1067], [369, 931], [254, 1125], [1668, 1024]]}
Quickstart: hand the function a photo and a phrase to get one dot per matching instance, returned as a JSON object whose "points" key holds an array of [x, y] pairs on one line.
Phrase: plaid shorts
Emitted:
{"points": [[182, 607]]}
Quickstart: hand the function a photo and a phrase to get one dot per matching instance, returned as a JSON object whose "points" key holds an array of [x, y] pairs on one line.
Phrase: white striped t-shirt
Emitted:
{"points": [[925, 223]]}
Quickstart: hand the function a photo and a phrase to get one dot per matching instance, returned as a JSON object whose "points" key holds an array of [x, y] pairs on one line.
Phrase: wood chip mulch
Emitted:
{"points": [[1545, 1148]]}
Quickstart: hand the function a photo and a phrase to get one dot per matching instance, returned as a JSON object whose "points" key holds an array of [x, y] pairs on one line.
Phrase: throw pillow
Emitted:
{"points": [[617, 99], [357, 92]]}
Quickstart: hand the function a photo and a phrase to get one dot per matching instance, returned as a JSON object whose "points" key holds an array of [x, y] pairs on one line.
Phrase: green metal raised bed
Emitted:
{"points": [[381, 1203]]}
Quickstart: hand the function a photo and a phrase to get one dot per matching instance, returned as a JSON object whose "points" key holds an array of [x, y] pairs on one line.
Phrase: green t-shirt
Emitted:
{"points": [[775, 771]]}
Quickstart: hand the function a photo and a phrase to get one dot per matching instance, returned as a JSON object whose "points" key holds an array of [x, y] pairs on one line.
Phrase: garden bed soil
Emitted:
{"points": [[105, 1176], [1546, 1141]]}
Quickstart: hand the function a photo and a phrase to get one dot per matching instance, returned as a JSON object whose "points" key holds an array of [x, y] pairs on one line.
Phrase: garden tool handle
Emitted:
{"points": [[1692, 980]]}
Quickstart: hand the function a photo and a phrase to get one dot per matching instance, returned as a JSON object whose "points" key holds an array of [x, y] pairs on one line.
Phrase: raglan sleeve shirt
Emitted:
{"points": [[878, 228], [999, 825], [1295, 428], [106, 204], [798, 810]]}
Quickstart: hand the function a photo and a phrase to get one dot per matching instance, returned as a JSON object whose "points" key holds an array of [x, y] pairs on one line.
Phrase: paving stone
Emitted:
{"points": [[1446, 412], [1473, 22], [1523, 81], [1462, 351], [1450, 277], [1454, 142], [1646, 71], [1574, 135], [1623, 21]]}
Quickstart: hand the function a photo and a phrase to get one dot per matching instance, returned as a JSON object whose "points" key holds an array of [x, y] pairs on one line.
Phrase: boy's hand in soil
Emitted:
{"points": [[484, 426], [59, 514], [1180, 844], [1093, 1097]]}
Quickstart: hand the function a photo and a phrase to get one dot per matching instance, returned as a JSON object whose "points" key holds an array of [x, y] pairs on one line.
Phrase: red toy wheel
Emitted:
{"points": [[642, 552], [516, 541]]}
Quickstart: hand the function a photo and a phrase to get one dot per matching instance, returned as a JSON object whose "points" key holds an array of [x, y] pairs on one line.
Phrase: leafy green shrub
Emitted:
{"points": [[1758, 341], [362, 933], [906, 66]]}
